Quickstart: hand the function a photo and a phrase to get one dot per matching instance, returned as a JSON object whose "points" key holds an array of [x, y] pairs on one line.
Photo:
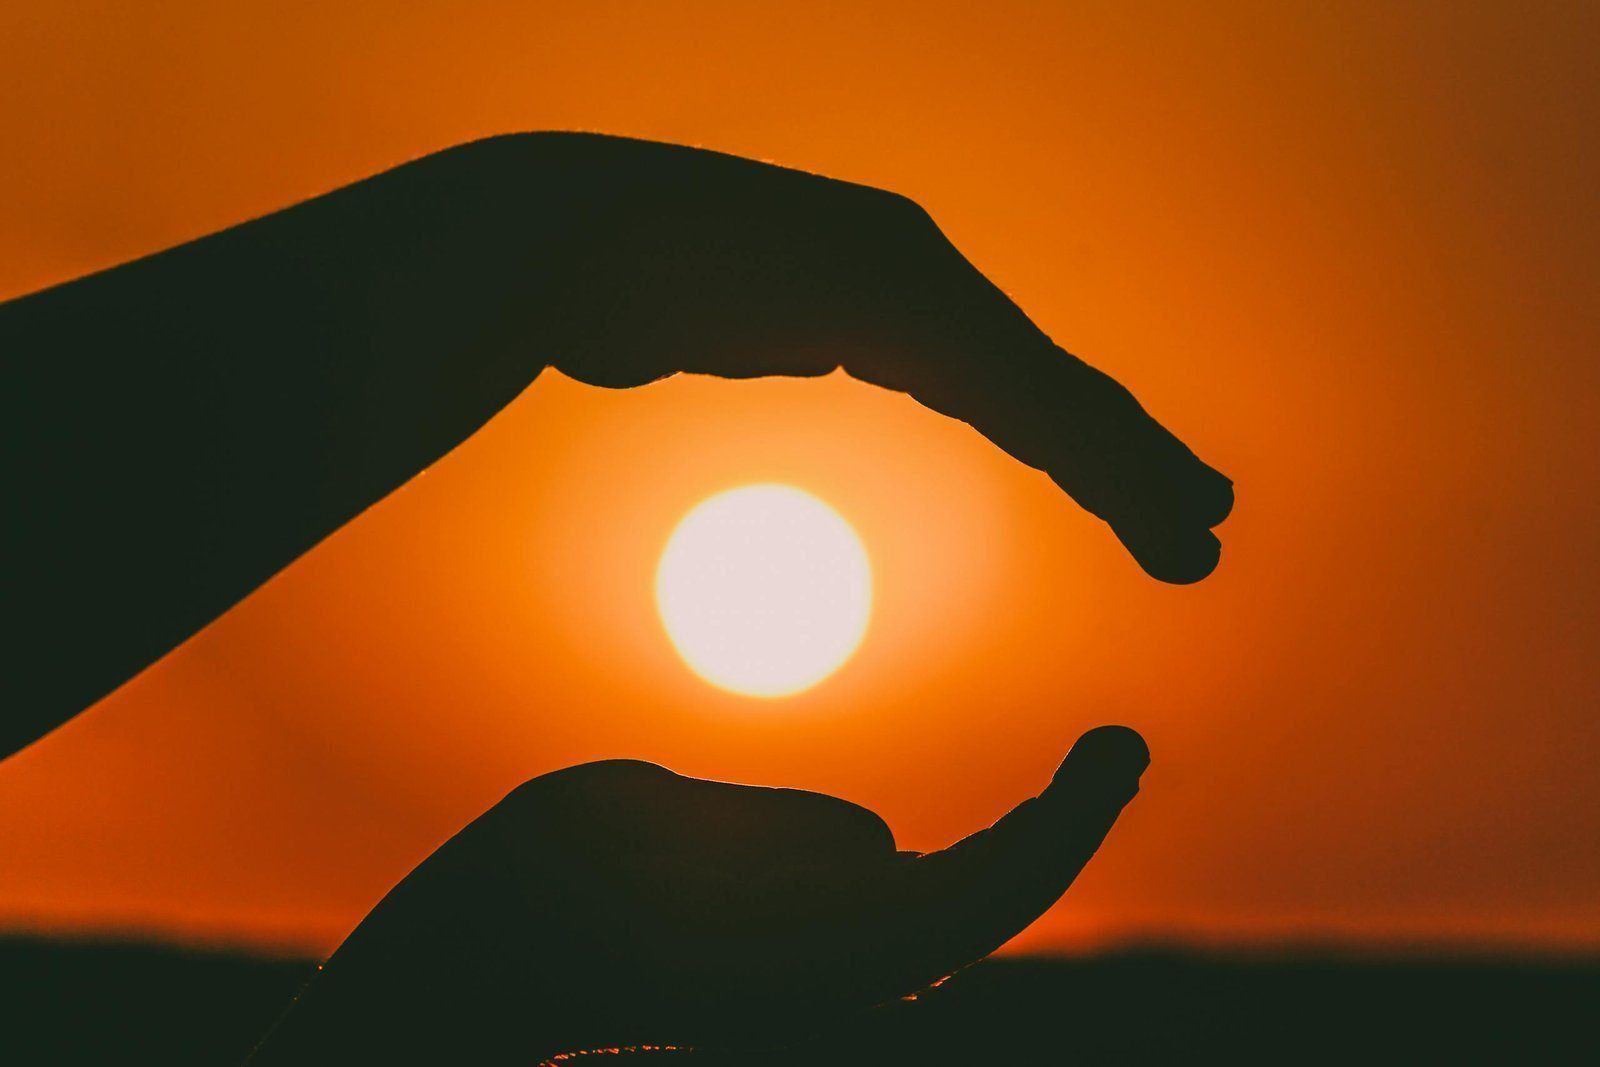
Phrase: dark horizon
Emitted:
{"points": [[156, 1003]]}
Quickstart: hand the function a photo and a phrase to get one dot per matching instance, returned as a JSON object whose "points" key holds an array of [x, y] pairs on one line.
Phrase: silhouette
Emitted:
{"points": [[182, 427], [619, 904], [178, 429]]}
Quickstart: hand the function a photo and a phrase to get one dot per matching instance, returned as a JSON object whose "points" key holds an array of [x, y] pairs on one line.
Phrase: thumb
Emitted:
{"points": [[1103, 766], [922, 919]]}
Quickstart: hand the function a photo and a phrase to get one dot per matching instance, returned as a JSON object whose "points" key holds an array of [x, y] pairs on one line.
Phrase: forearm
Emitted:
{"points": [[180, 428]]}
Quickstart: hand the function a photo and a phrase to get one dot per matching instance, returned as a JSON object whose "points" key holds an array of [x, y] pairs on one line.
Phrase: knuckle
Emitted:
{"points": [[583, 778], [904, 211]]}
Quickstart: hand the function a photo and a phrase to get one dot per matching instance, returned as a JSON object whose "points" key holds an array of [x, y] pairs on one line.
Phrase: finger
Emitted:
{"points": [[906, 924], [760, 826], [971, 898], [957, 344], [647, 814]]}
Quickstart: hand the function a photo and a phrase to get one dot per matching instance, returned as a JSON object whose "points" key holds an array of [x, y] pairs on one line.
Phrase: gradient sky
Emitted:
{"points": [[1346, 251]]}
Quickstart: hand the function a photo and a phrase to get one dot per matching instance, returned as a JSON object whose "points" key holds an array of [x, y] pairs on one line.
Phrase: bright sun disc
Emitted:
{"points": [[764, 590]]}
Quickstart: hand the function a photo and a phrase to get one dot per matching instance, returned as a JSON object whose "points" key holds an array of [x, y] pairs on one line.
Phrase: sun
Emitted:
{"points": [[764, 590]]}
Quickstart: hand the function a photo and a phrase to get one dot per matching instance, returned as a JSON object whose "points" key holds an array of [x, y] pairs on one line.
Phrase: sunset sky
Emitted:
{"points": [[1347, 252]]}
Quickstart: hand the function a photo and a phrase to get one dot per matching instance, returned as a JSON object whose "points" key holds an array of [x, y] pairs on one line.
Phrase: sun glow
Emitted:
{"points": [[764, 590]]}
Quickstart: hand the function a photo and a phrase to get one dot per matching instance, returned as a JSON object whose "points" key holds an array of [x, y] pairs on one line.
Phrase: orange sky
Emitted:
{"points": [[1349, 256]]}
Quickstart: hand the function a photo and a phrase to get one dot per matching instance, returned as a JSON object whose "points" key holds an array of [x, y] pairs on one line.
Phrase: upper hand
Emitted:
{"points": [[676, 259]]}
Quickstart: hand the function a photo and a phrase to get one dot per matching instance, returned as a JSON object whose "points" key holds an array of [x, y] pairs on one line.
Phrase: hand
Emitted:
{"points": [[619, 904], [235, 400], [675, 259]]}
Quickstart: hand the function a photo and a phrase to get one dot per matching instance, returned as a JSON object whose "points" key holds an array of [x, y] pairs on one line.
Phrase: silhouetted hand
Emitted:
{"points": [[617, 903], [178, 429], [688, 260]]}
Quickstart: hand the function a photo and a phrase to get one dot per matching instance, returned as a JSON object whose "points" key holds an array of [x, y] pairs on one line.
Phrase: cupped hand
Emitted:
{"points": [[678, 259], [620, 904], [235, 400]]}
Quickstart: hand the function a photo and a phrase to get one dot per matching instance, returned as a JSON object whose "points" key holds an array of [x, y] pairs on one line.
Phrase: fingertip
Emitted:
{"points": [[1194, 492], [1111, 757], [1178, 559], [1212, 501], [1122, 744]]}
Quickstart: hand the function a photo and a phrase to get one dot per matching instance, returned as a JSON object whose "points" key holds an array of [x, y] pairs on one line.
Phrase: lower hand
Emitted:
{"points": [[617, 903]]}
